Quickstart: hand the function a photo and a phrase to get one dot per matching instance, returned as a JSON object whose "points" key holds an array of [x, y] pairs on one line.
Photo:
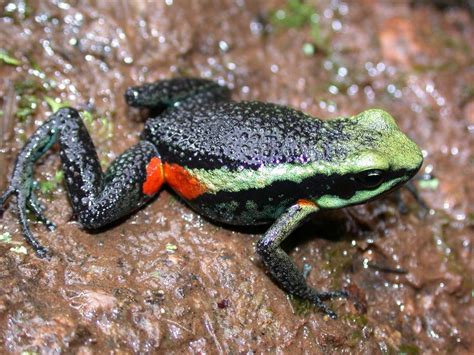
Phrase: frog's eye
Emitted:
{"points": [[370, 178]]}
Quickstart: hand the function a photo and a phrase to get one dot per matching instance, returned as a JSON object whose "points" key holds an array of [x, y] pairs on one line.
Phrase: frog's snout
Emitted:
{"points": [[413, 156], [131, 96]]}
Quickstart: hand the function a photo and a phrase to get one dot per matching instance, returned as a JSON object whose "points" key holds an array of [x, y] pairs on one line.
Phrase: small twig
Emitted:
{"points": [[178, 325], [387, 269], [210, 329], [6, 128]]}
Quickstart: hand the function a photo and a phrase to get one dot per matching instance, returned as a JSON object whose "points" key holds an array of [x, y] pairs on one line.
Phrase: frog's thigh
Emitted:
{"points": [[132, 179]]}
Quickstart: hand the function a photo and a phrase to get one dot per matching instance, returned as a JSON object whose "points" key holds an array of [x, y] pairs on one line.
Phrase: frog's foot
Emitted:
{"points": [[282, 267], [317, 299], [25, 200], [5, 196]]}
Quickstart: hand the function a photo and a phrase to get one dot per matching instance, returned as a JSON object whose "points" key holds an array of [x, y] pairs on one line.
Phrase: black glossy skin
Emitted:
{"points": [[238, 134], [198, 127]]}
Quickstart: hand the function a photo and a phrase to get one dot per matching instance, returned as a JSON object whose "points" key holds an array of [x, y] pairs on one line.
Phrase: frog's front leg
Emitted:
{"points": [[279, 263], [97, 198], [178, 91]]}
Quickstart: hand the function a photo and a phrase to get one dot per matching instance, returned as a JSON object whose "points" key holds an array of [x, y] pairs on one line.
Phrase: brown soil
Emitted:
{"points": [[166, 279]]}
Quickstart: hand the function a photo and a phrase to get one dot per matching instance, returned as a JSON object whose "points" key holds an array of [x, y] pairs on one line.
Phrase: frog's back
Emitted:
{"points": [[236, 135]]}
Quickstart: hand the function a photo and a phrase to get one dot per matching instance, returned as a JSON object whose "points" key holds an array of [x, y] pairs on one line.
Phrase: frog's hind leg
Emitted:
{"points": [[282, 267], [97, 198], [178, 91]]}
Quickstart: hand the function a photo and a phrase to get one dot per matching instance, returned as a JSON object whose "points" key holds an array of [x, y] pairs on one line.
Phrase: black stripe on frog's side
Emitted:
{"points": [[263, 205], [248, 135]]}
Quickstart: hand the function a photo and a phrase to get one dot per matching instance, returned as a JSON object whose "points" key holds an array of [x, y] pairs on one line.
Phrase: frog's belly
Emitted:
{"points": [[236, 211], [252, 206]]}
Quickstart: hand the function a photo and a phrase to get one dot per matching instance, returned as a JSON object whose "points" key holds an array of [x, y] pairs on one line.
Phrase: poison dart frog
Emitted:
{"points": [[237, 163]]}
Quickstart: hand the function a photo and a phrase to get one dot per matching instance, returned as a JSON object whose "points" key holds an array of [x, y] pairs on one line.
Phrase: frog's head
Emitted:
{"points": [[379, 158]]}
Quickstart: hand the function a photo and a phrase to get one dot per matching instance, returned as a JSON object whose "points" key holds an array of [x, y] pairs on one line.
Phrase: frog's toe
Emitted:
{"points": [[37, 209], [43, 253], [4, 197], [333, 294], [318, 302], [317, 299], [22, 203]]}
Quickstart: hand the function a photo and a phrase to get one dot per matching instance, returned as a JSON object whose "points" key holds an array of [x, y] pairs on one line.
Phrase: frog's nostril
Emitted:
{"points": [[131, 96]]}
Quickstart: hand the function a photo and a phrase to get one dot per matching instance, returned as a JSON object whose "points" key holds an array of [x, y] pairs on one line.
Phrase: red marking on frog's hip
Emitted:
{"points": [[155, 177], [181, 181]]}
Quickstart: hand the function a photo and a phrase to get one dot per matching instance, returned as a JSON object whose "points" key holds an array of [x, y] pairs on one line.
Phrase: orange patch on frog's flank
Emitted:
{"points": [[181, 181], [154, 177], [303, 202]]}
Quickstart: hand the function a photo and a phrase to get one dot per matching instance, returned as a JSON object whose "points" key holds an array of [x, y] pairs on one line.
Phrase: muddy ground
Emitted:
{"points": [[166, 279]]}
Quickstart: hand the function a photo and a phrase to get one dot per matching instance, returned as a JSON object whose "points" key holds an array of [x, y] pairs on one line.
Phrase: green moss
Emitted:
{"points": [[99, 124], [300, 306], [337, 259], [309, 49], [8, 59], [28, 85], [357, 320], [467, 94], [28, 352], [5, 238], [47, 187], [299, 14], [28, 91], [156, 274], [31, 90], [171, 248], [449, 252], [408, 349], [354, 338], [27, 106], [56, 104], [17, 10], [431, 184], [87, 117]]}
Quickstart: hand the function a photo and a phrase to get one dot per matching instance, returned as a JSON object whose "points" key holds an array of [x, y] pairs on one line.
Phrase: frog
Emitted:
{"points": [[241, 163]]}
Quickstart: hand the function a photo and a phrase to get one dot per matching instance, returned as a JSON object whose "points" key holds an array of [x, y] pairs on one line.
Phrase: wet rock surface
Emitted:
{"points": [[165, 278]]}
